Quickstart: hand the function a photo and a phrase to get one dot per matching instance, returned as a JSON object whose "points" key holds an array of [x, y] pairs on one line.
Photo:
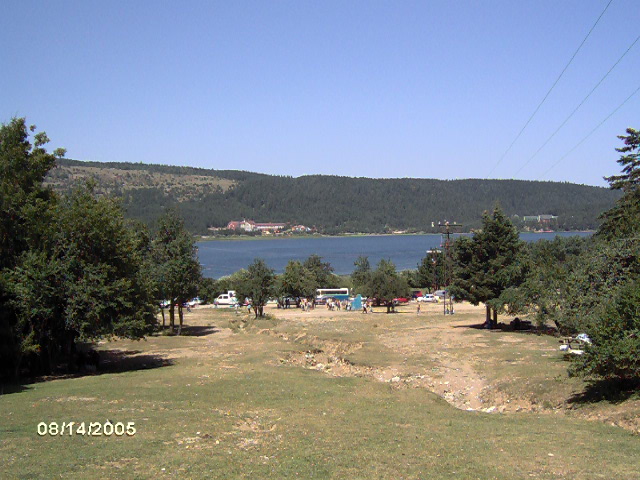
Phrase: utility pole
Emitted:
{"points": [[446, 230]]}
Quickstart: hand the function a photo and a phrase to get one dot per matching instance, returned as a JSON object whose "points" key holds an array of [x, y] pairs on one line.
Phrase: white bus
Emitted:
{"points": [[337, 293]]}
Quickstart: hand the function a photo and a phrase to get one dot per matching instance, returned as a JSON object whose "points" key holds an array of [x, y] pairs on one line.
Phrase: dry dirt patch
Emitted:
{"points": [[491, 371]]}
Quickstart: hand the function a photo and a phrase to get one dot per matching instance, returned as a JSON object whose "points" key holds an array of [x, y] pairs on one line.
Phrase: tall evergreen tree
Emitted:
{"points": [[487, 264], [623, 220]]}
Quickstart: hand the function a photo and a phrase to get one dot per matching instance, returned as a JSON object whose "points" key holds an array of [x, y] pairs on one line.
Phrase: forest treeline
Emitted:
{"points": [[334, 204]]}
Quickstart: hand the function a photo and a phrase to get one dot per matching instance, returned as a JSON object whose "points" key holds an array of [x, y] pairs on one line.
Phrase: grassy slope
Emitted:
{"points": [[260, 417]]}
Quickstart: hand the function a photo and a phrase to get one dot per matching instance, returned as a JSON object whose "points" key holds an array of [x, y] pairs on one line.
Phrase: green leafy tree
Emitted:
{"points": [[230, 282], [487, 264], [84, 282], [208, 290], [25, 213], [106, 289], [361, 274], [410, 277], [71, 267], [296, 281], [257, 284], [24, 201], [430, 272], [322, 272], [385, 284], [178, 269], [551, 279]]}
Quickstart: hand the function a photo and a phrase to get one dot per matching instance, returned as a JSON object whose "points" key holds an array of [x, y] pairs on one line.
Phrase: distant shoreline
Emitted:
{"points": [[344, 235], [285, 237]]}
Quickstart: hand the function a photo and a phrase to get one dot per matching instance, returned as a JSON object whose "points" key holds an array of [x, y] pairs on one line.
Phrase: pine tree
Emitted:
{"points": [[623, 220], [487, 264]]}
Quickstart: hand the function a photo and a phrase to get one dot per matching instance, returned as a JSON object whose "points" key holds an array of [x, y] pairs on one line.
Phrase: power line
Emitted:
{"points": [[589, 134], [578, 107], [552, 87]]}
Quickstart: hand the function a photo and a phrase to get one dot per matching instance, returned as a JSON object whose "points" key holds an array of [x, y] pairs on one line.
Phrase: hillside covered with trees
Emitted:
{"points": [[332, 204]]}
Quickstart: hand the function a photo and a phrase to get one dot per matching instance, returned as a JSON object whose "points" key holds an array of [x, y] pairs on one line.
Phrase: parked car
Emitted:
{"points": [[416, 294], [429, 297], [194, 301], [401, 300], [226, 299]]}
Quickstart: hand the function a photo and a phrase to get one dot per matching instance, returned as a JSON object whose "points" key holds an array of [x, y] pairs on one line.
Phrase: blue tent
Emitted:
{"points": [[357, 303]]}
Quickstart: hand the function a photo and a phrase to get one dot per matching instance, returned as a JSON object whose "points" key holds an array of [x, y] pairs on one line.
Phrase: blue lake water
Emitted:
{"points": [[220, 258]]}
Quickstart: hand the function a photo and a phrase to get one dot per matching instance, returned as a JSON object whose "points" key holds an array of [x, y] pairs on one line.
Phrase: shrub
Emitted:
{"points": [[615, 351]]}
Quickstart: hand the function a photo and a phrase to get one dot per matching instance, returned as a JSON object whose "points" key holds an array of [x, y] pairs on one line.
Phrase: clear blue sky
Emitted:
{"points": [[433, 89]]}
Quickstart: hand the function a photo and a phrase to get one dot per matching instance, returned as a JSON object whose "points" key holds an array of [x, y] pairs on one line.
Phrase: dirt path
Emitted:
{"points": [[453, 377]]}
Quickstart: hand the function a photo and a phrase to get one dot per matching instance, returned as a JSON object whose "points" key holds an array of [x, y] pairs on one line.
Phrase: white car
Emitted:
{"points": [[194, 301], [225, 299], [428, 298]]}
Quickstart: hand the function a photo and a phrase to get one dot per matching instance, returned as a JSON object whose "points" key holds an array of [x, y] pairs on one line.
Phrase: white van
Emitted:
{"points": [[428, 298], [228, 298]]}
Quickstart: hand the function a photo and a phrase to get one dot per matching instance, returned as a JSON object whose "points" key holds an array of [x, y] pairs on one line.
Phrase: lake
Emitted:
{"points": [[223, 257]]}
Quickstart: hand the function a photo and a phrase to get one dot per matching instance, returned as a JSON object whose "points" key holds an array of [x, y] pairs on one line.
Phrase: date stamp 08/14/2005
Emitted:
{"points": [[93, 429]]}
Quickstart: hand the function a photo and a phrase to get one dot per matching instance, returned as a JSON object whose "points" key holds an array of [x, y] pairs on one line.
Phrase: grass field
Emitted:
{"points": [[325, 395]]}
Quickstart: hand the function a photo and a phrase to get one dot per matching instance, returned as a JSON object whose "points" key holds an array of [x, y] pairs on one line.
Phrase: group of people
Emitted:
{"points": [[333, 304], [367, 307], [306, 305]]}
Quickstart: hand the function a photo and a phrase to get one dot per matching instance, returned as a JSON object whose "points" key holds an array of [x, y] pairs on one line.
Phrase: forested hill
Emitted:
{"points": [[333, 204]]}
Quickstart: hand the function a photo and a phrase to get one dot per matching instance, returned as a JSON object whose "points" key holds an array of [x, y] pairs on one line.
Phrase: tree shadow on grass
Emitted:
{"points": [[189, 331], [119, 361], [8, 388], [525, 328], [477, 326], [611, 390], [198, 330], [110, 361]]}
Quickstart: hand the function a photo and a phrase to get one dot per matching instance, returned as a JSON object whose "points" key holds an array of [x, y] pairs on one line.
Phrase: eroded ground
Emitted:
{"points": [[452, 356]]}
